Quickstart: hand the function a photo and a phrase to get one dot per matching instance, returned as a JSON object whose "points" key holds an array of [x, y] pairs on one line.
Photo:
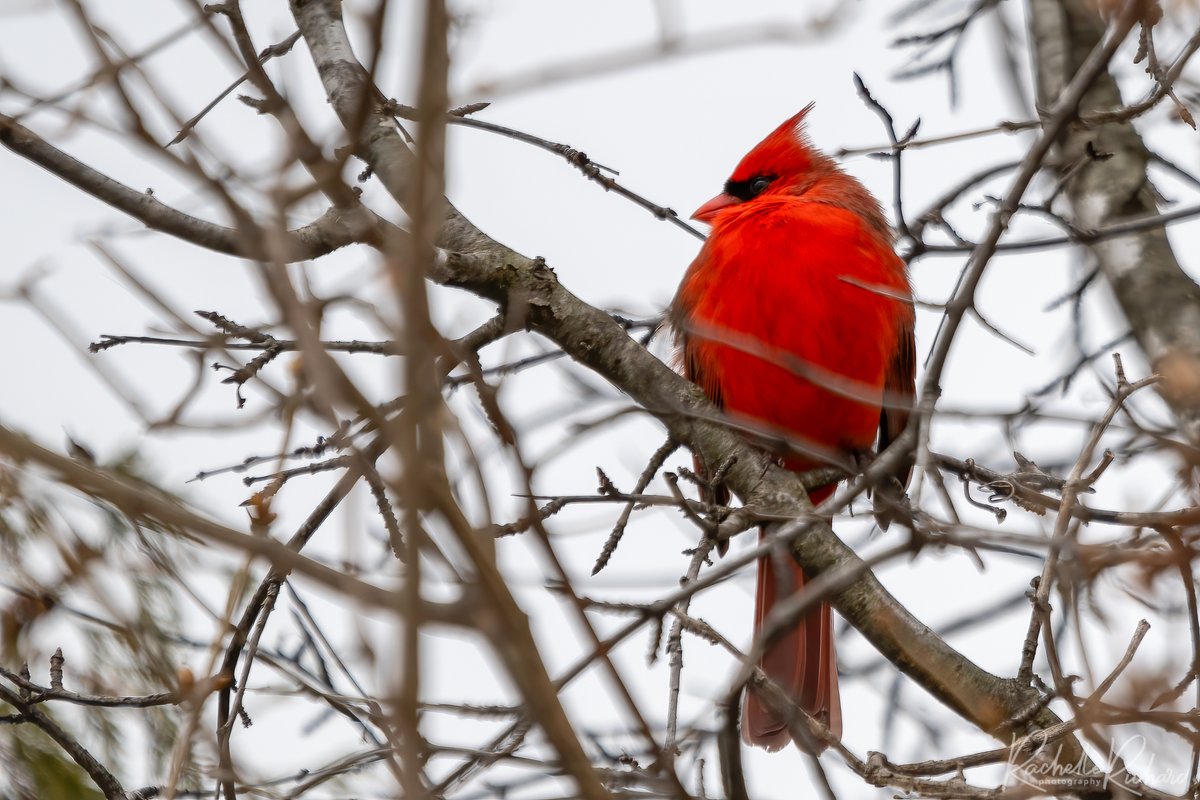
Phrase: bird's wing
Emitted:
{"points": [[900, 390], [692, 370]]}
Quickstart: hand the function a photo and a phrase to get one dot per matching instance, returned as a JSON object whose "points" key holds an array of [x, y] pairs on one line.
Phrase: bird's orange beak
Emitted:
{"points": [[706, 212]]}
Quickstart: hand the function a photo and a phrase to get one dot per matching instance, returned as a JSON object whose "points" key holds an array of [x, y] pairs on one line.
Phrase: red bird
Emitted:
{"points": [[796, 317]]}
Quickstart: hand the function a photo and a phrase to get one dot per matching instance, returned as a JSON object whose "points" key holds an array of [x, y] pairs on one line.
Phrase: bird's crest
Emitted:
{"points": [[786, 152]]}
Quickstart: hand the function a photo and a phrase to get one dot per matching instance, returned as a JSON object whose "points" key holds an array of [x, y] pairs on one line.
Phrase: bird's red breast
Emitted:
{"points": [[790, 316]]}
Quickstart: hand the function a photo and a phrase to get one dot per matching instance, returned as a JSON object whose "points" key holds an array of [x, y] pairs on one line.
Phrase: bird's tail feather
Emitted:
{"points": [[802, 662]]}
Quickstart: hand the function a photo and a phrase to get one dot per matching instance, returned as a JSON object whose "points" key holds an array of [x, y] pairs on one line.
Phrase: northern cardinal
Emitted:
{"points": [[799, 270]]}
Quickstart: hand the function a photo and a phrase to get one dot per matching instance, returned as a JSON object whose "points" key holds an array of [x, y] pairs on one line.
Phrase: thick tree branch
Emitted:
{"points": [[1160, 301], [336, 228]]}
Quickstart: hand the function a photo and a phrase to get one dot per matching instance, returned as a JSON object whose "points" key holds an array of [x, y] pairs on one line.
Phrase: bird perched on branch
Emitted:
{"points": [[796, 319]]}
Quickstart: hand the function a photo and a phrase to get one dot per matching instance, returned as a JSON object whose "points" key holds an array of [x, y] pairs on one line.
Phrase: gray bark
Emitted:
{"points": [[1160, 301]]}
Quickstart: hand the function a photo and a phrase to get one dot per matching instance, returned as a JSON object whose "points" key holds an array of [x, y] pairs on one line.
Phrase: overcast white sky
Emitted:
{"points": [[674, 129]]}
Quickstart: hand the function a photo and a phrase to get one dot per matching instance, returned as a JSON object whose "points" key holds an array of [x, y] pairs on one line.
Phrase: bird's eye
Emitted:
{"points": [[748, 188]]}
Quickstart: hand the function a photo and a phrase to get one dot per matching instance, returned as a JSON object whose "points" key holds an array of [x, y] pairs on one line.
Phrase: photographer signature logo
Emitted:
{"points": [[1046, 768]]}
